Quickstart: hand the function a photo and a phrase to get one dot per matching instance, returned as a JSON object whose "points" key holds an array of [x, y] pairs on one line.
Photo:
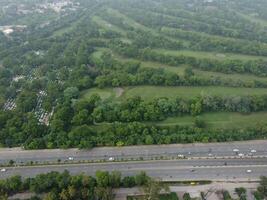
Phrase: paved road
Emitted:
{"points": [[194, 169], [189, 150]]}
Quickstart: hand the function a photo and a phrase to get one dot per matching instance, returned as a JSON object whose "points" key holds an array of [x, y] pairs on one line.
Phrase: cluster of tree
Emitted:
{"points": [[144, 39], [115, 73], [74, 124], [242, 193], [63, 186], [135, 133], [257, 67], [136, 109], [203, 42], [219, 22], [18, 127], [71, 125], [226, 195], [5, 78], [261, 192]]}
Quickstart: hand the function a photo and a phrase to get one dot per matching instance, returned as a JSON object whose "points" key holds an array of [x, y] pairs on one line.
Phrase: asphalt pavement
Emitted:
{"points": [[192, 169], [259, 148]]}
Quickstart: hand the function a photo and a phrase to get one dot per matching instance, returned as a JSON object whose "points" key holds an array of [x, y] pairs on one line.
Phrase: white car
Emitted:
{"points": [[71, 158], [3, 170], [235, 150], [111, 159], [181, 156], [253, 151], [241, 155], [249, 171]]}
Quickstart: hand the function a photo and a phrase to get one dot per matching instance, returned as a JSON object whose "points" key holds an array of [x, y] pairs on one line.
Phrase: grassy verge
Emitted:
{"points": [[105, 25], [171, 196], [219, 120], [210, 55], [151, 92]]}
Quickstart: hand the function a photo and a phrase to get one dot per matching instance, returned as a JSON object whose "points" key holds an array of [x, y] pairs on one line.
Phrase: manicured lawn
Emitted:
{"points": [[148, 64], [103, 93], [242, 77], [150, 92], [156, 65], [211, 55], [180, 69], [127, 20], [252, 18], [106, 25], [219, 120]]}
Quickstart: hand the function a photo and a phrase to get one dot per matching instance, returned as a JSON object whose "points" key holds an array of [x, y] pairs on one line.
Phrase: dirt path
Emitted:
{"points": [[118, 91]]}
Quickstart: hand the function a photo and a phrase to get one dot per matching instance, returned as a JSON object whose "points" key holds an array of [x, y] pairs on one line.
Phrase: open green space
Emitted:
{"points": [[151, 92], [147, 64], [219, 120], [106, 25], [225, 120], [253, 18], [127, 20], [210, 55], [103, 93], [131, 22], [242, 77], [180, 69]]}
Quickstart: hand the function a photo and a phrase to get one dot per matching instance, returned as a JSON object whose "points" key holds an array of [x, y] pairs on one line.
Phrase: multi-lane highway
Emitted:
{"points": [[216, 161], [193, 169], [135, 152]]}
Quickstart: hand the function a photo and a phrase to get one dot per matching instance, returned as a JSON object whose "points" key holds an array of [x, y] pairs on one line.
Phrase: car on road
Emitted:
{"points": [[181, 156], [253, 151], [249, 171], [111, 159], [71, 158], [3, 170], [235, 150], [241, 155]]}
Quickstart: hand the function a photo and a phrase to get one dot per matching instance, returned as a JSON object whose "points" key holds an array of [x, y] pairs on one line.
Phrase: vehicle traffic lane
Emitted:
{"points": [[135, 152], [180, 169]]}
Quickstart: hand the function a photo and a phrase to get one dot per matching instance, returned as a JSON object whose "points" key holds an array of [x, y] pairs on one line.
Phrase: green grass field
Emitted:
{"points": [[127, 20], [180, 69], [253, 18], [151, 92], [106, 25], [210, 55], [212, 120], [146, 64], [219, 120], [242, 77], [103, 93]]}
